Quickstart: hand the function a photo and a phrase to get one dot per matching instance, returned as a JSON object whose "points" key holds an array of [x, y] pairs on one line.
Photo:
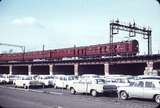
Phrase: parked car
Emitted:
{"points": [[118, 81], [63, 81], [28, 82], [2, 79], [12, 78], [148, 77], [93, 86], [144, 88], [89, 76], [59, 81], [9, 78], [69, 80], [18, 77], [6, 78], [46, 79]]}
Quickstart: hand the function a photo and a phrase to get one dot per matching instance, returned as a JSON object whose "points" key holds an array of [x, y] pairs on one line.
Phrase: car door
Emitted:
{"points": [[89, 85], [137, 90], [61, 82], [81, 86], [149, 89]]}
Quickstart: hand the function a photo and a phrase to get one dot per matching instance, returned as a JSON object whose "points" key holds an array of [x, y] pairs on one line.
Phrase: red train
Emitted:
{"points": [[125, 48]]}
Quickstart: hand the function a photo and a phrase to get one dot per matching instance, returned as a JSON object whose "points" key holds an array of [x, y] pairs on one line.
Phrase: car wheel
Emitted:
{"points": [[72, 90], [14, 85], [67, 87], [157, 99], [123, 95], [43, 85], [94, 93], [26, 87]]}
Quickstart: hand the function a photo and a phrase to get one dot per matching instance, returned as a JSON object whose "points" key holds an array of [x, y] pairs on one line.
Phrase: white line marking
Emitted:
{"points": [[56, 93], [38, 91]]}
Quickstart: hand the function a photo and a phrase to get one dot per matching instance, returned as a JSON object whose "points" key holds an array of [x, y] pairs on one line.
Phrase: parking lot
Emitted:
{"points": [[49, 97]]}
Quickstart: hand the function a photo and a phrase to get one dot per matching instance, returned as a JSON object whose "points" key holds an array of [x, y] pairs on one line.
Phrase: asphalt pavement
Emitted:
{"points": [[11, 97]]}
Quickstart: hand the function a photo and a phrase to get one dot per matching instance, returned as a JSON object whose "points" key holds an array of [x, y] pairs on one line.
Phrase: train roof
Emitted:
{"points": [[72, 47]]}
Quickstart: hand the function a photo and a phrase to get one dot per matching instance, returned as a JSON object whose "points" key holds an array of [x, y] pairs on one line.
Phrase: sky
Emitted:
{"points": [[65, 23]]}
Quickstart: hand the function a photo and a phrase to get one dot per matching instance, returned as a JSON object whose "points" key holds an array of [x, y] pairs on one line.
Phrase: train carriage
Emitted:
{"points": [[80, 52], [133, 47], [122, 48], [37, 55], [93, 51], [11, 57], [61, 53], [125, 48]]}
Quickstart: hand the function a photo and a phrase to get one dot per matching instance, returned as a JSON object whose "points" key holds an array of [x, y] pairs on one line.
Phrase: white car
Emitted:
{"points": [[118, 81], [2, 79], [145, 88], [5, 78], [93, 86], [59, 81], [27, 82], [12, 78], [47, 80], [148, 77], [63, 81], [89, 76], [69, 80], [18, 77]]}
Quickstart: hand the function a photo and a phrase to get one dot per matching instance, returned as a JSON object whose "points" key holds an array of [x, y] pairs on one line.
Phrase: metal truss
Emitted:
{"points": [[133, 29]]}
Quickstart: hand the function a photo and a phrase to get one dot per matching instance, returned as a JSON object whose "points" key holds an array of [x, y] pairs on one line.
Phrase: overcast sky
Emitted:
{"points": [[65, 23]]}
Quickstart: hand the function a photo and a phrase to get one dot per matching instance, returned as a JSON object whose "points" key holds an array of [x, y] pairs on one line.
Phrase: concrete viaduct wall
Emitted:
{"points": [[77, 69], [128, 69], [40, 70], [4, 69]]}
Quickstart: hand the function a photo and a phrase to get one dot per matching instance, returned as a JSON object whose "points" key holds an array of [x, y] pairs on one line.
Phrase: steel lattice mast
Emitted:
{"points": [[133, 29]]}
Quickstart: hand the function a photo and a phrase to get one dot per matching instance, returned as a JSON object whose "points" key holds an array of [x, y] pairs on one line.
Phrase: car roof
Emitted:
{"points": [[153, 80]]}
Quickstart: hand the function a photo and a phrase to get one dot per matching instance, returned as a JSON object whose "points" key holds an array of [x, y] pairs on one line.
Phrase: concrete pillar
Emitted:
{"points": [[106, 69], [10, 70], [76, 69], [51, 69], [29, 69]]}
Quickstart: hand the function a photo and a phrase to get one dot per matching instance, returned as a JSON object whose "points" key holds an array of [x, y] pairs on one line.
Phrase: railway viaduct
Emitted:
{"points": [[136, 65]]}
